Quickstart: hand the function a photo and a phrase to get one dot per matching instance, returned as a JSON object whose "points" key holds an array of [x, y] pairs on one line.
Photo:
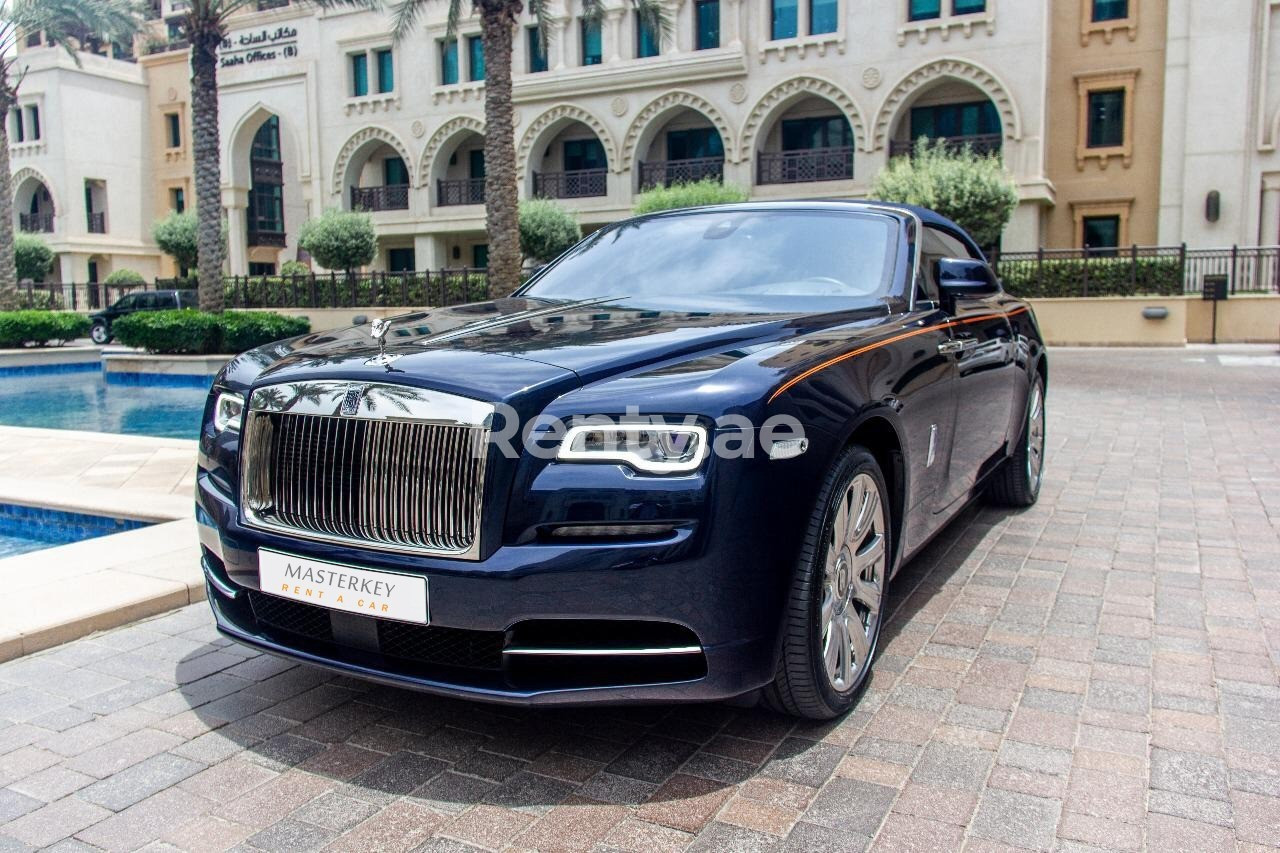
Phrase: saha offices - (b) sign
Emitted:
{"points": [[254, 46]]}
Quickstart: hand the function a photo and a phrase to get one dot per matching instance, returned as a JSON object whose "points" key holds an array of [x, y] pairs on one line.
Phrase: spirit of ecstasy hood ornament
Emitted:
{"points": [[378, 331]]}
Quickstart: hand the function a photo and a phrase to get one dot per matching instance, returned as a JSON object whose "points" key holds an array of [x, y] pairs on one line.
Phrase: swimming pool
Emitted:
{"points": [[24, 528], [82, 399]]}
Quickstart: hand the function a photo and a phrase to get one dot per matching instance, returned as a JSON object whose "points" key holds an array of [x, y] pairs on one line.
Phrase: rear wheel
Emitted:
{"points": [[99, 333], [836, 602], [1017, 483]]}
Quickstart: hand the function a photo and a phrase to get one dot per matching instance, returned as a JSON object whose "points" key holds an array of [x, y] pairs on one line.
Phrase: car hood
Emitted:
{"points": [[495, 350]]}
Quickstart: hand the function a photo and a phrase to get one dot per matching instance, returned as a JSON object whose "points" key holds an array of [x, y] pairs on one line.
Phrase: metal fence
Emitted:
{"points": [[1139, 270]]}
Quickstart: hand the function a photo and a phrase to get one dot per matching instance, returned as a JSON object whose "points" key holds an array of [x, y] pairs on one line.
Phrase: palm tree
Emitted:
{"points": [[204, 27], [497, 24], [73, 24]]}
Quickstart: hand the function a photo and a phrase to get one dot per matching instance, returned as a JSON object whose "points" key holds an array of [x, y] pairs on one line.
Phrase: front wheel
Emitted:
{"points": [[836, 602], [1017, 482], [99, 333]]}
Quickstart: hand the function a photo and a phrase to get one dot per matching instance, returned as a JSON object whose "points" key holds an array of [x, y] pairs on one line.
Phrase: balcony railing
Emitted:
{"points": [[258, 237], [97, 223], [264, 5], [582, 183], [664, 173], [798, 167], [35, 223], [460, 191], [986, 143], [166, 46], [391, 197]]}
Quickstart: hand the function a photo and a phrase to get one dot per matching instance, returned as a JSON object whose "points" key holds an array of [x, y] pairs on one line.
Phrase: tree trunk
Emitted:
{"points": [[8, 267], [501, 196], [208, 170]]}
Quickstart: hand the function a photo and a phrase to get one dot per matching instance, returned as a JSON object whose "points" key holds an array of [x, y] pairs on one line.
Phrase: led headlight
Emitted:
{"points": [[654, 448], [228, 411]]}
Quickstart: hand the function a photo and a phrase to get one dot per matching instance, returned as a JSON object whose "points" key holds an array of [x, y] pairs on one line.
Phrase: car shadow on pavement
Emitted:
{"points": [[340, 738]]}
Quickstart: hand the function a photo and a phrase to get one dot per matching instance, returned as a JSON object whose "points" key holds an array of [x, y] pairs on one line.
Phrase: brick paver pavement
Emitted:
{"points": [[1098, 672]]}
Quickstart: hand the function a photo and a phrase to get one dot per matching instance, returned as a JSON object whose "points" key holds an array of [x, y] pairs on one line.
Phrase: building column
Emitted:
{"points": [[730, 23], [560, 44], [611, 35], [428, 251], [1269, 214], [235, 203]]}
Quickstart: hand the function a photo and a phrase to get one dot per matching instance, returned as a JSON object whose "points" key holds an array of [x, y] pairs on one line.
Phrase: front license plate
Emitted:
{"points": [[339, 587]]}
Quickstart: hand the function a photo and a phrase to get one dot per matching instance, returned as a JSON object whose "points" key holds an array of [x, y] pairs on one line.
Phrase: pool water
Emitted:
{"points": [[24, 528], [86, 401]]}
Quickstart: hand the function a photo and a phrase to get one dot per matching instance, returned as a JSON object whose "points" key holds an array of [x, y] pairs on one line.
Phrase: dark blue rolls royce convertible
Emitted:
{"points": [[682, 463]]}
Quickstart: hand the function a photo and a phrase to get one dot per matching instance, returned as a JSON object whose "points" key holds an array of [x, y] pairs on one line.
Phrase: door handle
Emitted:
{"points": [[957, 345]]}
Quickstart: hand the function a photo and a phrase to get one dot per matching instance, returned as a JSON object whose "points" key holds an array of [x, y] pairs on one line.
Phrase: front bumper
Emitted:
{"points": [[721, 596]]}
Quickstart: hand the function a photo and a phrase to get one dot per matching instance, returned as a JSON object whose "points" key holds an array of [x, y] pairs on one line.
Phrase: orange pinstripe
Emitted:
{"points": [[860, 350]]}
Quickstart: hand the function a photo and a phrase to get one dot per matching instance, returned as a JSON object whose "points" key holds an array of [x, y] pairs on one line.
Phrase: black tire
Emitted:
{"points": [[1017, 482], [801, 685], [99, 333]]}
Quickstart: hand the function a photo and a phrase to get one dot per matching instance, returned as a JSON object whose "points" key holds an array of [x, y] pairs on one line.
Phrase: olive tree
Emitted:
{"points": [[546, 230], [340, 240], [177, 237], [32, 257], [971, 189]]}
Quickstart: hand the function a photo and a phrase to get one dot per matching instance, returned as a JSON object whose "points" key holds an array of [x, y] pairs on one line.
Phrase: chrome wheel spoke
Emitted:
{"points": [[840, 529], [831, 650], [868, 505], [860, 644], [828, 606], [871, 554], [867, 593]]}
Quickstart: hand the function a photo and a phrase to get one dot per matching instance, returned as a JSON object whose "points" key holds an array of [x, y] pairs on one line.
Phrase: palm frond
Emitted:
{"points": [[71, 23], [655, 15], [542, 15], [593, 11], [406, 14]]}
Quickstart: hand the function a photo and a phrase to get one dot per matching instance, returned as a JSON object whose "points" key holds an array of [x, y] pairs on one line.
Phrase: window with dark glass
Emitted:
{"points": [[592, 43], [1110, 10], [480, 256], [537, 54], [394, 172], [693, 143], [803, 134], [581, 154], [1106, 118], [972, 118], [178, 199], [922, 10], [475, 163], [401, 260], [706, 18], [648, 41], [33, 39], [33, 121], [448, 62], [968, 7], [173, 129], [18, 132], [1101, 232], [784, 19], [475, 55], [266, 195], [261, 268], [359, 75], [824, 16], [386, 71]]}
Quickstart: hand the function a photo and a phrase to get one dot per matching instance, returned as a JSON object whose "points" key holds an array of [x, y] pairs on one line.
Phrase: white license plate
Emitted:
{"points": [[383, 594]]}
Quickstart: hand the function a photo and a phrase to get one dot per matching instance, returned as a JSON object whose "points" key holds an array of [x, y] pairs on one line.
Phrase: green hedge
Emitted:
{"points": [[392, 289], [37, 328], [194, 332], [1104, 277]]}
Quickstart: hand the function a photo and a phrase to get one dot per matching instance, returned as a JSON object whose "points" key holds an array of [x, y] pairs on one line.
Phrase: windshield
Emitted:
{"points": [[767, 257]]}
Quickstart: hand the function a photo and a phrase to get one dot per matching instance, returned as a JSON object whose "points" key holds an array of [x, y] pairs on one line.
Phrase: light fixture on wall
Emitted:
{"points": [[457, 252], [1213, 206]]}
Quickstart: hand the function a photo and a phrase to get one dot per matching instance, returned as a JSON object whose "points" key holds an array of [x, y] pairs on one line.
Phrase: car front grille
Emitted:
{"points": [[400, 485], [291, 616]]}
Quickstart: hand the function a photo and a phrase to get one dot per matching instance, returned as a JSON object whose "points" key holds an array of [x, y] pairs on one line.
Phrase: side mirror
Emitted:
{"points": [[965, 277]]}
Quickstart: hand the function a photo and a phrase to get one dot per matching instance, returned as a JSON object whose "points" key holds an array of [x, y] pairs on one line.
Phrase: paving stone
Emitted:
{"points": [[1016, 819], [953, 766], [290, 835], [1189, 773], [123, 789], [851, 805], [14, 804]]}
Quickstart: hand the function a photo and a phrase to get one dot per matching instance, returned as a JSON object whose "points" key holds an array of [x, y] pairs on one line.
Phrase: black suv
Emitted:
{"points": [[143, 300]]}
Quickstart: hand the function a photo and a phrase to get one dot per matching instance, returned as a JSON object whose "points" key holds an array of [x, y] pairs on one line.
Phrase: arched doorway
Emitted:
{"points": [[567, 155], [33, 203], [683, 145], [372, 172], [266, 192], [804, 130], [952, 112], [458, 169]]}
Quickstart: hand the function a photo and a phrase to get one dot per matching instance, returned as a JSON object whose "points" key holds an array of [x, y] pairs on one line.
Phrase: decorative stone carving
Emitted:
{"points": [[445, 132], [789, 90], [955, 69], [573, 113], [172, 93], [737, 93], [417, 128], [668, 103], [619, 106], [358, 140], [871, 78]]}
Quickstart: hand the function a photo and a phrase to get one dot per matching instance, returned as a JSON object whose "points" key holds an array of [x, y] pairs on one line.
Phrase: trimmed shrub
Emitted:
{"points": [[1029, 278], [697, 194], [546, 229], [176, 237], [199, 333], [972, 190], [292, 268], [340, 239], [37, 328], [37, 300], [125, 277], [32, 256]]}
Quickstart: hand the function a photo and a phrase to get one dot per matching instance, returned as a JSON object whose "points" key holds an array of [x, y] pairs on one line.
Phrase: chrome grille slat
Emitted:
{"points": [[400, 484]]}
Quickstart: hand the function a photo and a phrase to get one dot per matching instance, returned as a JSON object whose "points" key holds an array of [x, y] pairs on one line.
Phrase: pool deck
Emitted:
{"points": [[64, 592]]}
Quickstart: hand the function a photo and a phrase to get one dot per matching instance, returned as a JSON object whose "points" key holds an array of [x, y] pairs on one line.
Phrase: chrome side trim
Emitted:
{"points": [[559, 652]]}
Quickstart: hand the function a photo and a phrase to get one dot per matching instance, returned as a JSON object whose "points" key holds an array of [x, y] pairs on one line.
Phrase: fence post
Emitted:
{"points": [[1085, 290], [1040, 270], [1235, 257], [1133, 269], [1182, 268]]}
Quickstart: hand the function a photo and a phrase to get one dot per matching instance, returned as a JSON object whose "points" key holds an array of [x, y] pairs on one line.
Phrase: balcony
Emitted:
{"points": [[460, 191], [97, 223], [799, 167], [664, 173], [583, 183], [35, 223], [264, 5], [262, 237], [373, 199], [987, 143]]}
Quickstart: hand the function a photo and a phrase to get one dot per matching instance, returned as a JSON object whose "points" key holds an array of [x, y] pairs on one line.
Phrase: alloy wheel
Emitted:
{"points": [[1035, 437], [853, 583]]}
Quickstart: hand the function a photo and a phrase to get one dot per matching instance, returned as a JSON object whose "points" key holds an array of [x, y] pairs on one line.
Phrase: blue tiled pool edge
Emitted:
{"points": [[162, 380], [38, 369], [41, 527]]}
